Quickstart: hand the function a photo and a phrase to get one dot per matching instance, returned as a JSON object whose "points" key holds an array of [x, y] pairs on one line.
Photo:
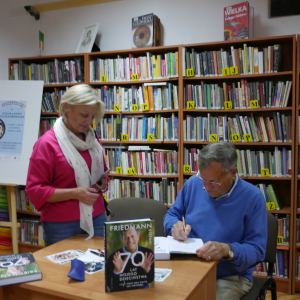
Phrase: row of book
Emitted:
{"points": [[281, 267], [164, 190], [248, 60], [240, 95], [45, 124], [297, 270], [138, 128], [157, 97], [53, 72], [23, 203], [270, 195], [283, 221], [298, 230], [145, 67], [252, 163], [31, 231], [156, 162], [51, 101], [238, 129]]}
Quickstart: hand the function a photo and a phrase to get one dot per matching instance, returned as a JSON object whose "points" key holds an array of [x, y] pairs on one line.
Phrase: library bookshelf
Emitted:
{"points": [[52, 112], [296, 246], [175, 79], [284, 186]]}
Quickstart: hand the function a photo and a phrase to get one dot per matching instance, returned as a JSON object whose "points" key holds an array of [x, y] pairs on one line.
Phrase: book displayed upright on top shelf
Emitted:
{"points": [[238, 21], [145, 31], [129, 255], [18, 268]]}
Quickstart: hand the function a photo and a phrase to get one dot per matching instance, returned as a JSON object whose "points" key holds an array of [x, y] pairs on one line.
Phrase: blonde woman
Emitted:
{"points": [[64, 167]]}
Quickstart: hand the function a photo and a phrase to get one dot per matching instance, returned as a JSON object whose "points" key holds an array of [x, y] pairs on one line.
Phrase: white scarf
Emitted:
{"points": [[69, 143]]}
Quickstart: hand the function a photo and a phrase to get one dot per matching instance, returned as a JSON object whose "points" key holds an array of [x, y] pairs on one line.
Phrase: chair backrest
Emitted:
{"points": [[138, 208], [272, 239]]}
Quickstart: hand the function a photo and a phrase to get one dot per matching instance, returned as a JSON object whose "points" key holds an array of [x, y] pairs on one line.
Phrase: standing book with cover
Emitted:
{"points": [[145, 31], [238, 21], [18, 268], [129, 255]]}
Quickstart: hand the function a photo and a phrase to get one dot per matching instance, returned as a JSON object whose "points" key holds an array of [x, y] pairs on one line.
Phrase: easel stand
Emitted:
{"points": [[11, 200]]}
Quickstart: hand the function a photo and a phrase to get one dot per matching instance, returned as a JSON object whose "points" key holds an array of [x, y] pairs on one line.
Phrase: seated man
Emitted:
{"points": [[227, 213]]}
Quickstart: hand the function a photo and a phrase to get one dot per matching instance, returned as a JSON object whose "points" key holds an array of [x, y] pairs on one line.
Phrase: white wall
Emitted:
{"points": [[183, 21]]}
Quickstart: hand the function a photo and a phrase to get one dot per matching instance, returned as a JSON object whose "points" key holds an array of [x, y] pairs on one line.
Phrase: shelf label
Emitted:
{"points": [[29, 208], [213, 138], [228, 104], [234, 70], [150, 137], [186, 169], [131, 171], [105, 197], [236, 137], [103, 78], [225, 71], [145, 107], [116, 107], [280, 240], [271, 206], [124, 137], [43, 243], [190, 105], [134, 107], [264, 172], [119, 170], [254, 104], [247, 137], [189, 72], [135, 77]]}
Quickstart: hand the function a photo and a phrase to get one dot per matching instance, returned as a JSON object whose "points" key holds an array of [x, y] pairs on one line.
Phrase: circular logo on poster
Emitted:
{"points": [[2, 129]]}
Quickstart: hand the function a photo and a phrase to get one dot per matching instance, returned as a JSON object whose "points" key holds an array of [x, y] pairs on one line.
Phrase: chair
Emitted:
{"points": [[138, 208], [261, 285]]}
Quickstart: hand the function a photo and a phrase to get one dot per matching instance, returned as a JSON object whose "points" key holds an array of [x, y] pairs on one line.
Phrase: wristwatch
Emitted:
{"points": [[230, 253]]}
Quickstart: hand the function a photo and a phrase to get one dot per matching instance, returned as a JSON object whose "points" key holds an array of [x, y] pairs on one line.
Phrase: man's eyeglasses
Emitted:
{"points": [[214, 184]]}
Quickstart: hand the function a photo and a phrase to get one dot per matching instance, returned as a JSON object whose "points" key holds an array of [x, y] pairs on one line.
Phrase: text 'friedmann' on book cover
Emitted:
{"points": [[238, 21], [129, 255]]}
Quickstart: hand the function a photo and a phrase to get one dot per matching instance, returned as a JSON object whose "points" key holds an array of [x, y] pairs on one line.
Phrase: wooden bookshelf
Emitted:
{"points": [[157, 144], [296, 281], [284, 186], [26, 247]]}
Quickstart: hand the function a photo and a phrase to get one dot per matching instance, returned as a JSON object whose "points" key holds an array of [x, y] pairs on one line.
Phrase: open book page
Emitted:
{"points": [[190, 246]]}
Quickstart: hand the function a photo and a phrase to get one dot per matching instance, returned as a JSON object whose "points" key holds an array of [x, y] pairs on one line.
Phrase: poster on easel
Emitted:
{"points": [[20, 108]]}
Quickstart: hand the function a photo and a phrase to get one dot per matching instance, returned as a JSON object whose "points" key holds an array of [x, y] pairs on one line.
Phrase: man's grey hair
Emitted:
{"points": [[221, 152]]}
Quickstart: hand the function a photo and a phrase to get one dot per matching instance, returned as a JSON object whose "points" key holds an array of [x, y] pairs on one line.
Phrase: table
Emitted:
{"points": [[192, 278]]}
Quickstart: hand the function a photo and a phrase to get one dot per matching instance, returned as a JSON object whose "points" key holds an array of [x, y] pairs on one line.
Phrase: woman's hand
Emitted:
{"points": [[86, 195], [101, 187]]}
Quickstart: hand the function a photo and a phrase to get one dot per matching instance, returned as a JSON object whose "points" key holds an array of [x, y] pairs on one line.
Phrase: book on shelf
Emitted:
{"points": [[144, 67], [52, 72], [18, 268], [239, 128], [240, 95], [124, 270], [145, 31], [31, 231], [283, 222], [247, 60], [238, 21], [165, 246], [269, 194]]}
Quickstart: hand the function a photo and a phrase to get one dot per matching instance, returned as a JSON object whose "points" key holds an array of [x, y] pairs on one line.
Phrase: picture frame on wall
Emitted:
{"points": [[87, 39], [279, 8]]}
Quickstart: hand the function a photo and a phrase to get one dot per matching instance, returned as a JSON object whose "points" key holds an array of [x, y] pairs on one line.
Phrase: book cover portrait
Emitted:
{"points": [[142, 31], [129, 251]]}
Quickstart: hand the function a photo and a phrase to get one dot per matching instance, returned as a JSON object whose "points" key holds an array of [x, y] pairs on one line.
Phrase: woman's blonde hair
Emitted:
{"points": [[82, 94]]}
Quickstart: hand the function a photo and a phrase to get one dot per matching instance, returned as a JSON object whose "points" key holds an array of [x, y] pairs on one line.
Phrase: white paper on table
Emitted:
{"points": [[161, 274], [189, 246], [90, 257]]}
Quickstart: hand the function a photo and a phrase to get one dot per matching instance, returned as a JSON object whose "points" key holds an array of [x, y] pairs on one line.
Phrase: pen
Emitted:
{"points": [[98, 254], [183, 221]]}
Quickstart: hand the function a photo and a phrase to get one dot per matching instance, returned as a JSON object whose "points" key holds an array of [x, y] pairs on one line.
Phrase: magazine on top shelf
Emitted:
{"points": [[18, 268], [129, 255], [238, 21]]}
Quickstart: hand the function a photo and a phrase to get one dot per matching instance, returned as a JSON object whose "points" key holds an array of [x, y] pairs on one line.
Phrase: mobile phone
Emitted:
{"points": [[103, 176]]}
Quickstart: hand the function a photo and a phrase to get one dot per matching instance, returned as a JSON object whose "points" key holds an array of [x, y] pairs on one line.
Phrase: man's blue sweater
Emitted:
{"points": [[238, 218]]}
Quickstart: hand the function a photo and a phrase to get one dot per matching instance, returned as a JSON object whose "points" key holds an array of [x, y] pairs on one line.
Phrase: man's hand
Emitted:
{"points": [[178, 233], [86, 195], [148, 261], [118, 262], [213, 251]]}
